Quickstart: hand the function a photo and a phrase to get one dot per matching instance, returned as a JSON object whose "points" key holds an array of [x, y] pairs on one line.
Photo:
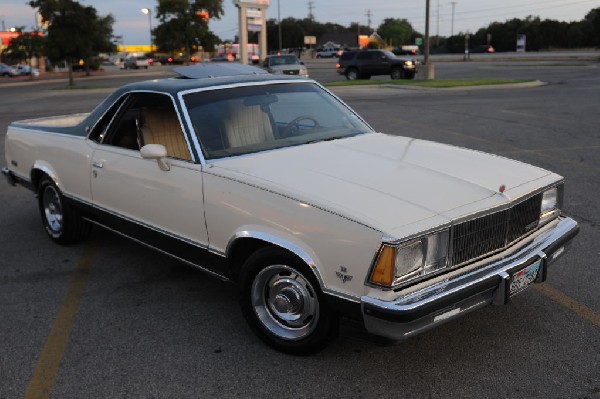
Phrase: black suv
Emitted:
{"points": [[365, 63]]}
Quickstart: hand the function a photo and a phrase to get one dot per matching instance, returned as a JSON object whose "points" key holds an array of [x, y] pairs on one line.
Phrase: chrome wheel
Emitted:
{"points": [[52, 209], [285, 302], [352, 74]]}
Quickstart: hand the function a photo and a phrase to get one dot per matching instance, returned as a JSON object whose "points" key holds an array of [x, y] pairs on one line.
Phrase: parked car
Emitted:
{"points": [[363, 64], [24, 70], [286, 64], [273, 183], [406, 50], [483, 49], [5, 70], [223, 57], [136, 62], [330, 52]]}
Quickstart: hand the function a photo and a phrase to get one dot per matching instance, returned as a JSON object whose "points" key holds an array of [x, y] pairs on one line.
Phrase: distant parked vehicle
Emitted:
{"points": [[24, 70], [486, 48], [330, 52], [5, 70], [136, 63]]}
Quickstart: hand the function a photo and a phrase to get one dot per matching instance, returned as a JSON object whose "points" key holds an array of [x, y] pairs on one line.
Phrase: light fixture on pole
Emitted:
{"points": [[148, 12]]}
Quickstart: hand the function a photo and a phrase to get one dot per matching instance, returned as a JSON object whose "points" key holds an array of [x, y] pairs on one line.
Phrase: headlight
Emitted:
{"points": [[551, 202], [412, 260], [408, 63]]}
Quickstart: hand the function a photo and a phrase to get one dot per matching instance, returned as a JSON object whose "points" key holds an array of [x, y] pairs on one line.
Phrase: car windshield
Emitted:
{"points": [[243, 120], [284, 60]]}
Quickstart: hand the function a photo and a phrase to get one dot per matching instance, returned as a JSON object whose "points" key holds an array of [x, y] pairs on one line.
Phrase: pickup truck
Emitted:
{"points": [[271, 182]]}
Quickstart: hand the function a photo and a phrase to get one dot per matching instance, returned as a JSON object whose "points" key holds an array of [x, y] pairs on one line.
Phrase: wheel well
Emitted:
{"points": [[243, 248], [36, 177]]}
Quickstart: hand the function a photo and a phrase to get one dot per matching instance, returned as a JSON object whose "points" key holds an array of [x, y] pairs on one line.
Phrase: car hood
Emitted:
{"points": [[397, 185]]}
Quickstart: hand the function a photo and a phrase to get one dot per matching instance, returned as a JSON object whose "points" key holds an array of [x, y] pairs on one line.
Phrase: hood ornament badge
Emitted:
{"points": [[502, 189]]}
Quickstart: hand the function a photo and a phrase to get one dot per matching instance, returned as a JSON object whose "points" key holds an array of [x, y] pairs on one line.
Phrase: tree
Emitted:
{"points": [[592, 27], [26, 46], [74, 31], [395, 31], [183, 27]]}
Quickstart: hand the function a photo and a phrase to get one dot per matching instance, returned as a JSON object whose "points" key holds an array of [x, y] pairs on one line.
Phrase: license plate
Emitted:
{"points": [[524, 277]]}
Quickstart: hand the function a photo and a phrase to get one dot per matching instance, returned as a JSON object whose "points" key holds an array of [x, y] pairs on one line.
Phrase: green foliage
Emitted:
{"points": [[181, 28], [25, 46], [294, 30], [541, 34], [396, 32]]}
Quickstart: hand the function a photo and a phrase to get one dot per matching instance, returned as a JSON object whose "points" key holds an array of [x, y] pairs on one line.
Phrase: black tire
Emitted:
{"points": [[352, 74], [397, 73], [283, 304], [62, 222]]}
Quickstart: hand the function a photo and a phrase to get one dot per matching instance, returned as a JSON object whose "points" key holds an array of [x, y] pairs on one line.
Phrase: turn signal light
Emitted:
{"points": [[383, 272], [337, 65]]}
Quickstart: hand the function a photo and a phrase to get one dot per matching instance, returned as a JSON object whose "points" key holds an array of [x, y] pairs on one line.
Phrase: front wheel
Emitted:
{"points": [[282, 302], [397, 73], [61, 221]]}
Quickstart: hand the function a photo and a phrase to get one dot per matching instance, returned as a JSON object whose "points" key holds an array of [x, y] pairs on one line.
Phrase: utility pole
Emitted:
{"points": [[437, 31], [427, 67], [453, 5], [368, 14], [311, 6]]}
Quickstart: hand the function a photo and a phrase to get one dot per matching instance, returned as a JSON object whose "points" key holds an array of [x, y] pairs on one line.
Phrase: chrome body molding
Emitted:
{"points": [[277, 241], [195, 265], [47, 169], [457, 294]]}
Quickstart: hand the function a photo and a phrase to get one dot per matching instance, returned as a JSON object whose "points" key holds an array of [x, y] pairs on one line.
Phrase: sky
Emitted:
{"points": [[469, 15]]}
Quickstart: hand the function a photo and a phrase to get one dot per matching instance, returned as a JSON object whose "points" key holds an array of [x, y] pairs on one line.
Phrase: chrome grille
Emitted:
{"points": [[475, 238]]}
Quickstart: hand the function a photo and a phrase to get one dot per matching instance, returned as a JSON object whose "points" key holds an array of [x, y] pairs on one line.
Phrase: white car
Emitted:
{"points": [[285, 64], [273, 183]]}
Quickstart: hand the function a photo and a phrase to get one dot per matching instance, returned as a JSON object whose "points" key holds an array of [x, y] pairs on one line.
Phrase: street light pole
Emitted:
{"points": [[279, 23], [148, 12]]}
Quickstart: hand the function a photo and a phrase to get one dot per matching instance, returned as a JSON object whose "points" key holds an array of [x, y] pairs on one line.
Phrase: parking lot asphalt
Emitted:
{"points": [[109, 318]]}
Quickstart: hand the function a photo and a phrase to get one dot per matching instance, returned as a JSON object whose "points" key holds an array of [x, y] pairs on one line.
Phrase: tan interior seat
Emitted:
{"points": [[161, 126], [247, 125]]}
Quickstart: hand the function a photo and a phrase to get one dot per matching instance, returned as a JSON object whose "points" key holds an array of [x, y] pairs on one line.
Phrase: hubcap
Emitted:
{"points": [[52, 209], [285, 302]]}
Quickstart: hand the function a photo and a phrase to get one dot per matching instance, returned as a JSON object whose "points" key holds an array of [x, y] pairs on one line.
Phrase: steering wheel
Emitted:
{"points": [[293, 127]]}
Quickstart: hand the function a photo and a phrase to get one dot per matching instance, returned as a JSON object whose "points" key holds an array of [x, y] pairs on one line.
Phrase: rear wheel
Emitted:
{"points": [[61, 221], [282, 302], [352, 74]]}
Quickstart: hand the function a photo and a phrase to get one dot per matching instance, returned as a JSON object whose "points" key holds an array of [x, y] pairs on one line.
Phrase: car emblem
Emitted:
{"points": [[342, 275], [502, 188]]}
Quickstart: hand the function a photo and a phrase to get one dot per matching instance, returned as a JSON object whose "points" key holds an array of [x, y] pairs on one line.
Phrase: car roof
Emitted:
{"points": [[204, 76]]}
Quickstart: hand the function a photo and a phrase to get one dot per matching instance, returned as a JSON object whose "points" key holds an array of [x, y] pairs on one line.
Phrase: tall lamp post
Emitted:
{"points": [[279, 23], [148, 12]]}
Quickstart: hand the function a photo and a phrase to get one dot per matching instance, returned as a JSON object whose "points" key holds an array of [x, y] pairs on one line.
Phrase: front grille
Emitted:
{"points": [[475, 238]]}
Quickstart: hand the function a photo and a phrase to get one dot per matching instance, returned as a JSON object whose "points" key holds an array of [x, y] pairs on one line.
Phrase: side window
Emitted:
{"points": [[149, 118], [364, 55]]}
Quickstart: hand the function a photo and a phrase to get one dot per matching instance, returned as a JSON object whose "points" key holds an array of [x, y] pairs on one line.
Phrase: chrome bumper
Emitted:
{"points": [[9, 176], [414, 313]]}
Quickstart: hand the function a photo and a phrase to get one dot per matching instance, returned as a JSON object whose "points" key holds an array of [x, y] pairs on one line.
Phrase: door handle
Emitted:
{"points": [[98, 165]]}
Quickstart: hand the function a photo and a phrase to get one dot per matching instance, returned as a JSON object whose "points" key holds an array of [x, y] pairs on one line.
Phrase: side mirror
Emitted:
{"points": [[158, 152], [301, 63]]}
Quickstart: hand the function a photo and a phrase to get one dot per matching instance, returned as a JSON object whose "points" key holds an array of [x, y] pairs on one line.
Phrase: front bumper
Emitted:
{"points": [[442, 301]]}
